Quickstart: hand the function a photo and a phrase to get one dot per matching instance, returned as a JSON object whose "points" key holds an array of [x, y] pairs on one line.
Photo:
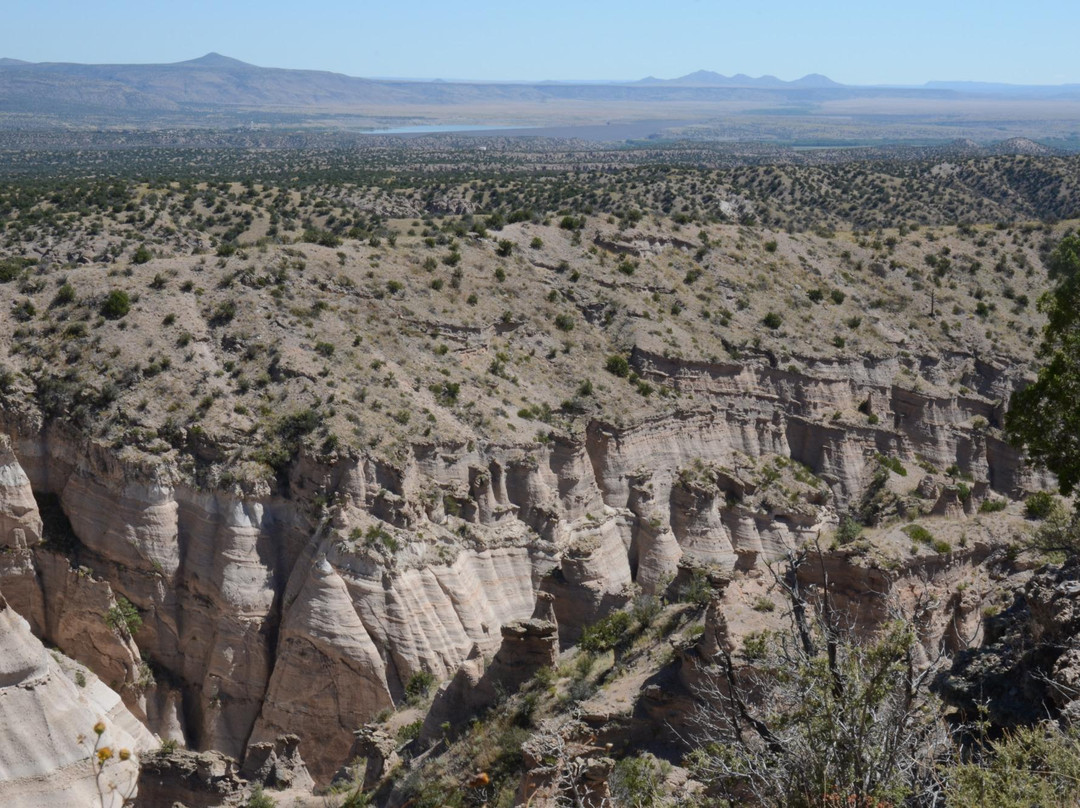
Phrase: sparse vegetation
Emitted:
{"points": [[350, 336], [123, 617]]}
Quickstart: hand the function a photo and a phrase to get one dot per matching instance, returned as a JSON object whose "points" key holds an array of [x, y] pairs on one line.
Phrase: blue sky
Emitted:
{"points": [[863, 42]]}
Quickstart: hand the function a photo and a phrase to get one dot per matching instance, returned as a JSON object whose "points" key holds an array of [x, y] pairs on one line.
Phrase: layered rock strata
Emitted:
{"points": [[262, 612], [55, 727]]}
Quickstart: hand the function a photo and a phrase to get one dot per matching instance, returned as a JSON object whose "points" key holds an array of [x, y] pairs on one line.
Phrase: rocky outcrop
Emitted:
{"points": [[194, 779], [329, 674], [20, 523], [378, 751], [262, 615], [563, 765], [527, 646], [277, 765], [1028, 666], [214, 780], [56, 727]]}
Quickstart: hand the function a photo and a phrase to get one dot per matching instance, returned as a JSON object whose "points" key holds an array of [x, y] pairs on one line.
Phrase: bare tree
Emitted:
{"points": [[819, 715], [565, 768]]}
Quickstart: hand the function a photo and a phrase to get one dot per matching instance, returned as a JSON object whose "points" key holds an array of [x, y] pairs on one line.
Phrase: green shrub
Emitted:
{"points": [[639, 781], [377, 536], [617, 365], [419, 686], [447, 392], [764, 604], [645, 610], [117, 304], [848, 530], [223, 313], [24, 311], [1028, 766], [772, 320], [123, 618], [698, 590], [12, 268], [142, 255], [1039, 505], [992, 505], [409, 732], [920, 534], [893, 464], [323, 238], [64, 295], [756, 645], [260, 799], [298, 424], [607, 632]]}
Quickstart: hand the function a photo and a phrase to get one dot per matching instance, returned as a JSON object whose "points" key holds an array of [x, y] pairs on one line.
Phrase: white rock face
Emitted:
{"points": [[267, 618], [47, 742], [20, 523], [329, 677]]}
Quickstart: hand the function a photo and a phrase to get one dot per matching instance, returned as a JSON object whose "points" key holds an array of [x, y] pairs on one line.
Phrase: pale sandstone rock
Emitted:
{"points": [[194, 779], [378, 751], [48, 721], [277, 764], [329, 678], [20, 523], [236, 608], [527, 646]]}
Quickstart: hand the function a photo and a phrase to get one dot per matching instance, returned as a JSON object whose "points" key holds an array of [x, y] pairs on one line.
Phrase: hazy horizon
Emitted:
{"points": [[518, 80], [563, 41]]}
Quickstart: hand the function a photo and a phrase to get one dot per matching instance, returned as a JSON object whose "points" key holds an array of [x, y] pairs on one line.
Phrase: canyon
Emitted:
{"points": [[261, 616], [259, 489]]}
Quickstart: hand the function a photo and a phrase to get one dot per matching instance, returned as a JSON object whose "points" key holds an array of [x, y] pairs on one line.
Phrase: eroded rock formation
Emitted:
{"points": [[263, 613], [55, 726]]}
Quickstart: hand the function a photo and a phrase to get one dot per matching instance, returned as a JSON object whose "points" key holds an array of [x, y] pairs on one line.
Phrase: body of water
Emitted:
{"points": [[429, 129]]}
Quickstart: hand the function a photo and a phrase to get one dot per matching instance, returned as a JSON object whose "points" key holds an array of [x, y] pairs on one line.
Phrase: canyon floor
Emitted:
{"points": [[366, 477]]}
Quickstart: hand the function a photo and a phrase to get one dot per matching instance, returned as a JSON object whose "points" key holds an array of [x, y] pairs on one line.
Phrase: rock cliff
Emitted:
{"points": [[68, 740], [262, 612]]}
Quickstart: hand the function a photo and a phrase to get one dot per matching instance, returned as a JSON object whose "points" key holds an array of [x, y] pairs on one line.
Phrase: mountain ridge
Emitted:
{"points": [[217, 90]]}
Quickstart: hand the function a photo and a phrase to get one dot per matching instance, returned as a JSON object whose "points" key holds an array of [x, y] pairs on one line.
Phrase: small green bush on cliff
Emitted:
{"points": [[123, 617]]}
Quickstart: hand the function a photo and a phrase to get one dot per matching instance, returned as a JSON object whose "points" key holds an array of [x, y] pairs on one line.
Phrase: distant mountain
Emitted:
{"points": [[217, 90], [213, 59], [220, 83], [707, 78]]}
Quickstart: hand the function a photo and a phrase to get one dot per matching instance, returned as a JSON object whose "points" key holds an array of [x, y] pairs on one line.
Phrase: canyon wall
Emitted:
{"points": [[308, 607]]}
